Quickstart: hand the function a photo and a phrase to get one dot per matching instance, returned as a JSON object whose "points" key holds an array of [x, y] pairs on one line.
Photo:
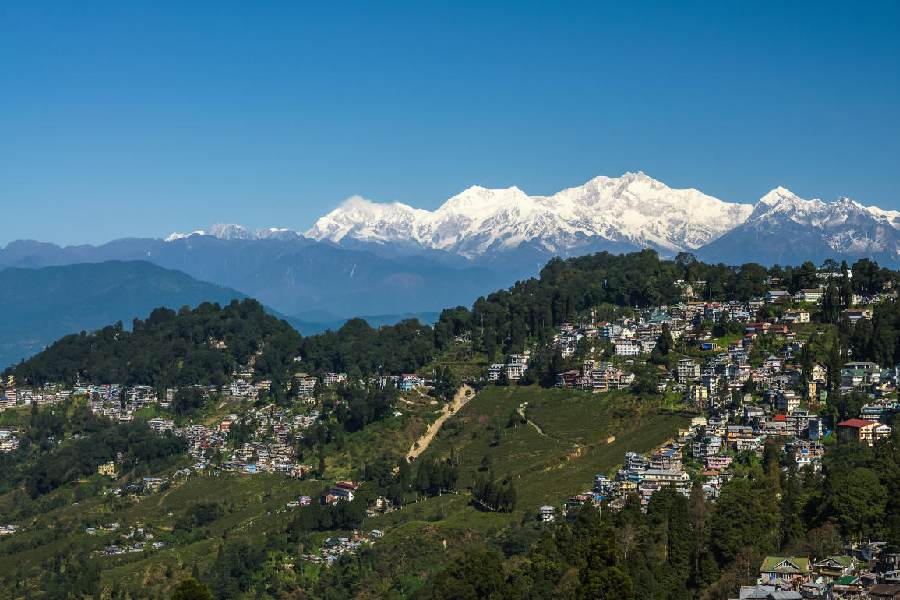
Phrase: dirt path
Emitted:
{"points": [[463, 395], [521, 412]]}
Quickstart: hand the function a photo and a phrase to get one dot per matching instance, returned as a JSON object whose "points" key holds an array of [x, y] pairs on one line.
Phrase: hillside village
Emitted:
{"points": [[748, 387], [744, 370]]}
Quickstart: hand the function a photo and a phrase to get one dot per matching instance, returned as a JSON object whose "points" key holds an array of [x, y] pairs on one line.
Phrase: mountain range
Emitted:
{"points": [[622, 213], [630, 211], [290, 273], [392, 259]]}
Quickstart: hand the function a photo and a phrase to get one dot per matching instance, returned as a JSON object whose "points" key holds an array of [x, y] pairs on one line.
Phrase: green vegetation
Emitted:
{"points": [[461, 520], [193, 346]]}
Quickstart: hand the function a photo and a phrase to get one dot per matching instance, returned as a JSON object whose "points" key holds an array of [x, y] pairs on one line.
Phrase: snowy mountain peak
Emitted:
{"points": [[606, 213], [633, 210], [230, 231], [778, 195], [175, 235], [787, 228]]}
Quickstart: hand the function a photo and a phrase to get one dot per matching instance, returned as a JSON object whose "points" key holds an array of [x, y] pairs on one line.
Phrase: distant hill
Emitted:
{"points": [[289, 273], [39, 306], [312, 324], [201, 345]]}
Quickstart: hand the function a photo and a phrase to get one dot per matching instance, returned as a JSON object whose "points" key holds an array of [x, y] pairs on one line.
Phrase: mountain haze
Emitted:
{"points": [[288, 272]]}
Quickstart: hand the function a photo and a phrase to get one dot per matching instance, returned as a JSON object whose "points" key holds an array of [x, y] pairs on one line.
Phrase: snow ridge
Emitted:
{"points": [[633, 209]]}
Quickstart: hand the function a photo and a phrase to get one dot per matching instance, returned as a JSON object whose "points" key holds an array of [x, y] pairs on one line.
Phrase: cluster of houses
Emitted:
{"points": [[9, 440], [136, 540], [597, 376], [8, 529], [335, 547], [865, 572], [513, 369], [270, 449]]}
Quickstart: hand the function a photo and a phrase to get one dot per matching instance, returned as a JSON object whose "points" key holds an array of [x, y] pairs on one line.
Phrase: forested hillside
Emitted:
{"points": [[38, 306], [506, 319], [501, 322], [203, 345]]}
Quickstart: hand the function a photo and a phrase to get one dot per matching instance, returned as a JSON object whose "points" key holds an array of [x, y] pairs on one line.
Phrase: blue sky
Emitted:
{"points": [[131, 119]]}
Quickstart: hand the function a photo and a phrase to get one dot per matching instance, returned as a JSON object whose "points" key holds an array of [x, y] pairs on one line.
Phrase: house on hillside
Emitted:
{"points": [[862, 431], [778, 297], [834, 567], [810, 295], [342, 491], [783, 571], [860, 374], [688, 370]]}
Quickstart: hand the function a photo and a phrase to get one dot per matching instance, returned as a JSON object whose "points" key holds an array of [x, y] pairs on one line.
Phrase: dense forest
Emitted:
{"points": [[358, 349], [201, 345]]}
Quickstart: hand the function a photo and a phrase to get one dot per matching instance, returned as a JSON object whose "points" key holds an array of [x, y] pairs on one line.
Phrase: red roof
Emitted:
{"points": [[780, 418], [855, 423]]}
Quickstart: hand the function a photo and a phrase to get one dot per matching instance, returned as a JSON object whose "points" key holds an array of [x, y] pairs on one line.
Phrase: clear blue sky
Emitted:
{"points": [[129, 118]]}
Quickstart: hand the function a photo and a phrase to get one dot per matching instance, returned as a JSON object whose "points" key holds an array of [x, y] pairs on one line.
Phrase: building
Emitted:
{"points": [[885, 591], [306, 386], [811, 295], [860, 373], [514, 371], [628, 348], [698, 396], [334, 378], [688, 370], [342, 491], [834, 567], [796, 316], [862, 431], [777, 297], [107, 469], [783, 570], [786, 401], [547, 514]]}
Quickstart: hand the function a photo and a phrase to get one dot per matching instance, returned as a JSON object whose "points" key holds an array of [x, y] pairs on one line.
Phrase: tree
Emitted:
{"points": [[741, 520], [664, 343], [831, 303], [858, 501], [476, 575], [191, 589]]}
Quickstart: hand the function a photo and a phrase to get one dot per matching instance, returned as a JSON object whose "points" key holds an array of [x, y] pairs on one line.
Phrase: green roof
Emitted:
{"points": [[845, 580], [843, 560], [784, 564]]}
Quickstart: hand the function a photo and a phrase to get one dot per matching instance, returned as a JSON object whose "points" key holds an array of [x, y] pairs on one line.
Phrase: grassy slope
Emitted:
{"points": [[547, 467], [564, 445]]}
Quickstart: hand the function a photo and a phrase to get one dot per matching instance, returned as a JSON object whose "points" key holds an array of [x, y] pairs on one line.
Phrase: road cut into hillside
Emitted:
{"points": [[462, 396]]}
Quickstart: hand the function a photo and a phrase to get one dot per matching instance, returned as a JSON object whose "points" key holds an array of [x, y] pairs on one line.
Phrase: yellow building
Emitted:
{"points": [[108, 469]]}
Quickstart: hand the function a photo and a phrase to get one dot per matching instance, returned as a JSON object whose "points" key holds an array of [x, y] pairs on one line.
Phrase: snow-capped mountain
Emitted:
{"points": [[631, 211], [230, 231], [513, 231], [784, 228]]}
